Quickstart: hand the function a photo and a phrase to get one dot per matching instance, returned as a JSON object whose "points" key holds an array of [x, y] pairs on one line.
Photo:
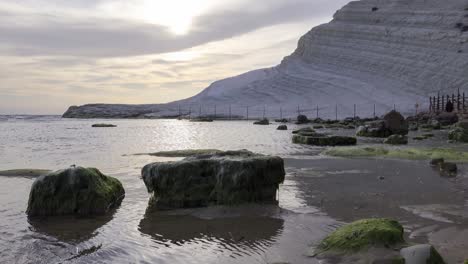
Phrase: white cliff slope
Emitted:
{"points": [[382, 52]]}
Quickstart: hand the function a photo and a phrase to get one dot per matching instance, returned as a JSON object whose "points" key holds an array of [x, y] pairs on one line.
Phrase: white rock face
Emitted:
{"points": [[382, 52]]}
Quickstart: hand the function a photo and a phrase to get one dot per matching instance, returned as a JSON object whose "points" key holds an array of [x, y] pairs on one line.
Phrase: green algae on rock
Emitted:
{"points": [[324, 140], [226, 178], [29, 173], [74, 191], [399, 153], [364, 234]]}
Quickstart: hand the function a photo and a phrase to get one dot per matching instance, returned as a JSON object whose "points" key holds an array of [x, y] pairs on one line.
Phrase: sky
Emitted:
{"points": [[58, 53]]}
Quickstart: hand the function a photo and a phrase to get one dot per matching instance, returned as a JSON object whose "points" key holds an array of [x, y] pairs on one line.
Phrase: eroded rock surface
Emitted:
{"points": [[226, 178]]}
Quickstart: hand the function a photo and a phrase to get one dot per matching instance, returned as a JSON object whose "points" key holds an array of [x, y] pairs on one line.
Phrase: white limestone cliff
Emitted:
{"points": [[382, 52]]}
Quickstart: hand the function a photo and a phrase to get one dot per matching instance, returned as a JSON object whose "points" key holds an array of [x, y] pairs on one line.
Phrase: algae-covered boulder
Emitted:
{"points": [[282, 127], [396, 140], [396, 123], [324, 140], [362, 235], [227, 178], [460, 132], [421, 254], [74, 191], [263, 122]]}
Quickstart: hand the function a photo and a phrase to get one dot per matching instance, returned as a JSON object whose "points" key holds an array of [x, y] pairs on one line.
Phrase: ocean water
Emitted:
{"points": [[319, 194]]}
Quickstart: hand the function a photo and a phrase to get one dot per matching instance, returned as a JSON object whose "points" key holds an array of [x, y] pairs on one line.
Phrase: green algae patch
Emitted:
{"points": [[29, 173], [364, 234], [183, 153], [399, 153]]}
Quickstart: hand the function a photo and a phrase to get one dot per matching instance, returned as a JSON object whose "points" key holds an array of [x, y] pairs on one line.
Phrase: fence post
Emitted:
{"points": [[438, 102], [374, 111], [317, 111], [463, 102], [430, 104], [458, 100], [453, 100], [336, 112], [442, 106]]}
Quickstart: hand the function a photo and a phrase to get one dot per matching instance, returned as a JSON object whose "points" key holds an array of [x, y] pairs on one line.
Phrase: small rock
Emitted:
{"points": [[381, 178], [448, 167], [263, 122], [302, 119], [103, 125], [282, 127], [421, 254]]}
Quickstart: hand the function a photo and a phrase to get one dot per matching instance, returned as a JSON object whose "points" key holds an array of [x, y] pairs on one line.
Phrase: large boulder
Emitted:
{"points": [[421, 254], [460, 132], [446, 119], [74, 191], [396, 123], [227, 178], [282, 127]]}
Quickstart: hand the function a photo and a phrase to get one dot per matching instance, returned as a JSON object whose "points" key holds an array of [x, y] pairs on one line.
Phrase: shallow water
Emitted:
{"points": [[318, 195]]}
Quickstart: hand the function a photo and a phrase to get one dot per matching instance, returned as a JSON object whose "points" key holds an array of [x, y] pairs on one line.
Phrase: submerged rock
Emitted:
{"points": [[29, 173], [74, 191], [421, 254], [262, 122], [103, 125], [283, 127], [226, 178], [323, 140], [362, 235], [396, 140]]}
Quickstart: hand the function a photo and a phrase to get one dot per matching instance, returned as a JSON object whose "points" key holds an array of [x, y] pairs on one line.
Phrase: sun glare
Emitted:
{"points": [[177, 15]]}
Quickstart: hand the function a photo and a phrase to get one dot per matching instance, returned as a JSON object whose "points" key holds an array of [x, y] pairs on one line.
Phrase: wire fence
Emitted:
{"points": [[236, 112]]}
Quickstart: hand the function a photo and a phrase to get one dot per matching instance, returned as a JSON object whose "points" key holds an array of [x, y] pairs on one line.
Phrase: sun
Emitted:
{"points": [[176, 15]]}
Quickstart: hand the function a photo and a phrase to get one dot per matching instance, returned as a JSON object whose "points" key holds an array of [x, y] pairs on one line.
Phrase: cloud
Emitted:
{"points": [[27, 33]]}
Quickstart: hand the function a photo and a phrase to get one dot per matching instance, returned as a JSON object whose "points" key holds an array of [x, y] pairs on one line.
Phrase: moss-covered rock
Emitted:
{"points": [[396, 140], [399, 153], [426, 254], [74, 191], [460, 132], [363, 234], [375, 129], [226, 178], [396, 123], [324, 140]]}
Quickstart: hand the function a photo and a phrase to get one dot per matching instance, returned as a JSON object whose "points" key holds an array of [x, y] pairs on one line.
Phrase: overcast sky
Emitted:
{"points": [[57, 53]]}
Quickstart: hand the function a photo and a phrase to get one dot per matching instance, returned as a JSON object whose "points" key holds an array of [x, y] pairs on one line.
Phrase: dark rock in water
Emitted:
{"points": [[396, 123], [362, 235], [27, 173], [396, 140], [318, 121], [283, 127], [263, 122], [202, 120], [437, 162], [284, 120], [318, 127], [304, 130], [323, 140], [424, 254], [460, 132], [227, 178], [449, 168], [302, 119], [375, 129], [74, 191], [104, 125]]}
